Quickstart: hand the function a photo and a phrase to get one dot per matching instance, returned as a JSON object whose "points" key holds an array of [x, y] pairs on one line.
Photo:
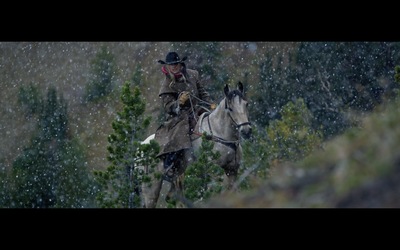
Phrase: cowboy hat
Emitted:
{"points": [[172, 58]]}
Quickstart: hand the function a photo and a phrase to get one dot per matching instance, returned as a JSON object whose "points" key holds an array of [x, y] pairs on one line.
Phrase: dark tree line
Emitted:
{"points": [[51, 171], [332, 77]]}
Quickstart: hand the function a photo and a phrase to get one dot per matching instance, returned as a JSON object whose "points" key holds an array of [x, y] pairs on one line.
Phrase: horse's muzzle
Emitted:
{"points": [[245, 131]]}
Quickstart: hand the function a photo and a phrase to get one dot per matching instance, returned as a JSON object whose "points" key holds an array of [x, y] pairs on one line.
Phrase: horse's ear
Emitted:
{"points": [[226, 89], [240, 86]]}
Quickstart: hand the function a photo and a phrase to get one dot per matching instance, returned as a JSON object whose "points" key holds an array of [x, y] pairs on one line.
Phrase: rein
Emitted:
{"points": [[231, 144]]}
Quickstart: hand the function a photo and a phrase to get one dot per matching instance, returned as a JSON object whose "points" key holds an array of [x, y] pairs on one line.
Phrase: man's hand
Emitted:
{"points": [[183, 97], [213, 106]]}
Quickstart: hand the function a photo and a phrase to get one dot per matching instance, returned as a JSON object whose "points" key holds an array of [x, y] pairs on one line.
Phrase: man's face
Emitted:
{"points": [[175, 68]]}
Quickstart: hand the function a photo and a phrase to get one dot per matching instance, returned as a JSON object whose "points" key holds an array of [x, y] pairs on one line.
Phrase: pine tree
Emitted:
{"points": [[121, 181], [5, 189], [137, 75], [30, 99], [290, 138], [203, 178], [51, 171], [103, 75]]}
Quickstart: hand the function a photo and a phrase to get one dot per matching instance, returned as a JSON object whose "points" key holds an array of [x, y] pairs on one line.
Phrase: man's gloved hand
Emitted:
{"points": [[213, 106], [183, 97]]}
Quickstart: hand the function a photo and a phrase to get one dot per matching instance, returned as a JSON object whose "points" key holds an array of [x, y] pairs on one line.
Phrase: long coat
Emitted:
{"points": [[174, 133]]}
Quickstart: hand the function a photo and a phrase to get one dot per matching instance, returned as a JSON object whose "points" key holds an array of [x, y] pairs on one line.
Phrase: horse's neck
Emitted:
{"points": [[221, 124]]}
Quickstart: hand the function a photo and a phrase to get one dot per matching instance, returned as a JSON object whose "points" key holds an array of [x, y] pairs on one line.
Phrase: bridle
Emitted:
{"points": [[233, 120], [211, 136]]}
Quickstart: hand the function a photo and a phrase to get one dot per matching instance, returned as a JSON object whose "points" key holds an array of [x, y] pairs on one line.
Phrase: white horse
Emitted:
{"points": [[226, 125]]}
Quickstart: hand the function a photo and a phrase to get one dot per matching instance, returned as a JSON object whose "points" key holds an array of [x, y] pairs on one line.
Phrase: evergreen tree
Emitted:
{"points": [[103, 74], [137, 76], [203, 178], [290, 138], [30, 99], [121, 181], [256, 159], [5, 189], [51, 172]]}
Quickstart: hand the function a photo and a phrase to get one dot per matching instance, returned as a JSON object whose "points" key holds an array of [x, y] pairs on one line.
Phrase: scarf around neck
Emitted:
{"points": [[176, 75]]}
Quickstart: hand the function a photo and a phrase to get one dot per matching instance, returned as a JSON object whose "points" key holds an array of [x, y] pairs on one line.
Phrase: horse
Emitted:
{"points": [[226, 126]]}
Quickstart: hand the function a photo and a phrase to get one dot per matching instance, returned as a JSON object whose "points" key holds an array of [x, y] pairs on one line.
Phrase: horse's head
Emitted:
{"points": [[236, 105]]}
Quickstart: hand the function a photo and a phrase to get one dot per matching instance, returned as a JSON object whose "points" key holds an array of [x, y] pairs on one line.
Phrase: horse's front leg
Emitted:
{"points": [[175, 194], [232, 170], [230, 178]]}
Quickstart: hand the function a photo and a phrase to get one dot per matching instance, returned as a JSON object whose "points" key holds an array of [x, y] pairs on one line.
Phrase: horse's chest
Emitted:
{"points": [[229, 154]]}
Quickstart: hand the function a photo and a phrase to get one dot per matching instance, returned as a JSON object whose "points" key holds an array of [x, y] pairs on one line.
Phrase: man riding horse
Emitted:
{"points": [[183, 95]]}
